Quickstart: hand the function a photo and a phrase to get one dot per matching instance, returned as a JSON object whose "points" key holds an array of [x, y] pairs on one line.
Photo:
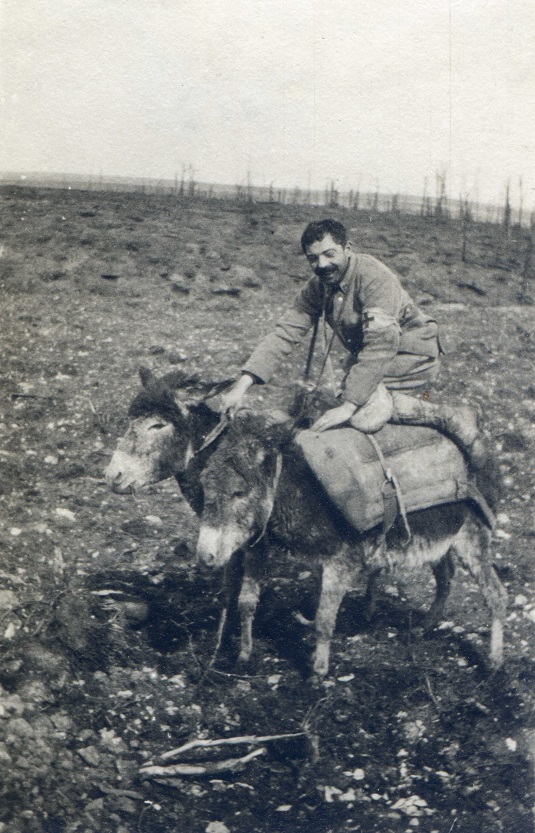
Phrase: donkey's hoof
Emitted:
{"points": [[495, 662], [316, 681], [320, 666], [244, 656]]}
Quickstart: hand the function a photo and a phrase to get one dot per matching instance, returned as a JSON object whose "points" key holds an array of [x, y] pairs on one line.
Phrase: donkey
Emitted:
{"points": [[173, 431], [258, 490], [170, 421]]}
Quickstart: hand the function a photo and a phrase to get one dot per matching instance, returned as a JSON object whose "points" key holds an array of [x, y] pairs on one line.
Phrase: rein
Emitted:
{"points": [[223, 423], [278, 470]]}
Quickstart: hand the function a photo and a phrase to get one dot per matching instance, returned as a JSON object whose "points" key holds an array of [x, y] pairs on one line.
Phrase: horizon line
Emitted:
{"points": [[59, 179]]}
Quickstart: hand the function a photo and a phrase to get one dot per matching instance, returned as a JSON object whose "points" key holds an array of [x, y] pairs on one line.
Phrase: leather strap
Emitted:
{"points": [[328, 342], [474, 494], [310, 355], [214, 434], [393, 503]]}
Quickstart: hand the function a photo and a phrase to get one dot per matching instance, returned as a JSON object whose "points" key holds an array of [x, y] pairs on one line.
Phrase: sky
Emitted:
{"points": [[374, 93]]}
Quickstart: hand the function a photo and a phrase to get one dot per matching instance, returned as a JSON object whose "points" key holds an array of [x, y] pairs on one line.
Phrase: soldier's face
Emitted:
{"points": [[328, 259]]}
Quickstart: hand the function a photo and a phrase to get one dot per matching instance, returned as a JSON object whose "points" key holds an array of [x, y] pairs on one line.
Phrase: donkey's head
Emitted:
{"points": [[239, 482], [168, 420]]}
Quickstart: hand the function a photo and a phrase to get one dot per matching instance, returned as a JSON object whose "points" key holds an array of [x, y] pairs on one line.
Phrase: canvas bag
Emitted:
{"points": [[429, 468]]}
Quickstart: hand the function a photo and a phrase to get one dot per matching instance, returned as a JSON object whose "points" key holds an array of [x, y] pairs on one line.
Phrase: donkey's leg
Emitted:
{"points": [[248, 600], [232, 581], [232, 578], [338, 577], [472, 546], [444, 571], [370, 598], [300, 617]]}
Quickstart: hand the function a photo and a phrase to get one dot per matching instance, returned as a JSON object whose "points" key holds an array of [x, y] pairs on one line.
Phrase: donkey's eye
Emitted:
{"points": [[157, 425], [239, 493]]}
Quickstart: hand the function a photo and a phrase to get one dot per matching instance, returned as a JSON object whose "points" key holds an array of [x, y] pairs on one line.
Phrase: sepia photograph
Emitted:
{"points": [[267, 416]]}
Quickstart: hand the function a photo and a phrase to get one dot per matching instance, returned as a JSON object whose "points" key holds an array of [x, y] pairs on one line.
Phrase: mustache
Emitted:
{"points": [[325, 274]]}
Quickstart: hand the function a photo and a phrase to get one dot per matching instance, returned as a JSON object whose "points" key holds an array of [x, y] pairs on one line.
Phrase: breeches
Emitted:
{"points": [[406, 372]]}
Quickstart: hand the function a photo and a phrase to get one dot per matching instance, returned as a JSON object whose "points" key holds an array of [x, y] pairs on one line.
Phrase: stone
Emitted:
{"points": [[90, 755]]}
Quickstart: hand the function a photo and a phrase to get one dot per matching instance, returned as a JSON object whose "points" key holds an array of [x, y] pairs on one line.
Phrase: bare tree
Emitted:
{"points": [[528, 271], [423, 207], [466, 217], [332, 195], [191, 183], [507, 210], [441, 204], [183, 181]]}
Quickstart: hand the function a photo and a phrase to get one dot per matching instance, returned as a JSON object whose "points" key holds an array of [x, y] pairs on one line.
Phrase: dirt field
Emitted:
{"points": [[108, 633]]}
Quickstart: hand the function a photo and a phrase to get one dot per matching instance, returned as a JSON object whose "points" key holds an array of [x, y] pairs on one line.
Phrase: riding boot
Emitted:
{"points": [[375, 413], [459, 424]]}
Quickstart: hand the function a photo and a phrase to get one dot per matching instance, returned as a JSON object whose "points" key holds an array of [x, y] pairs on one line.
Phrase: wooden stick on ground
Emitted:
{"points": [[228, 765], [205, 743]]}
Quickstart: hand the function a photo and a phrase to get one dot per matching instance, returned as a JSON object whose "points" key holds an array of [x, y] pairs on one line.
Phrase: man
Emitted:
{"points": [[392, 346]]}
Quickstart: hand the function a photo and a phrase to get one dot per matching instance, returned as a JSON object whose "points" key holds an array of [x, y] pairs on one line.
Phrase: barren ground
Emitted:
{"points": [[108, 632]]}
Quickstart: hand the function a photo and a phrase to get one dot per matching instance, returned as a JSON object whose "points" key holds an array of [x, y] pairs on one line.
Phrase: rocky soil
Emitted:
{"points": [[109, 653]]}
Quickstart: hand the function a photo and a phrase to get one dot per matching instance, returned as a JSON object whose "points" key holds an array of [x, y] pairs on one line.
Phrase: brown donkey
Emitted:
{"points": [[258, 490]]}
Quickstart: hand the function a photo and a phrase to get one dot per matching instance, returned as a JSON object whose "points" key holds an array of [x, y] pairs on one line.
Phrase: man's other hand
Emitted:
{"points": [[334, 417]]}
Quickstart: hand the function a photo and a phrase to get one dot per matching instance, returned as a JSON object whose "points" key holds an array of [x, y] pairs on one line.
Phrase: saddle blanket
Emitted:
{"points": [[430, 469]]}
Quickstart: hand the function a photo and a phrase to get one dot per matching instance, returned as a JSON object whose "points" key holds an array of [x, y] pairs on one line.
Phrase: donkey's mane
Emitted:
{"points": [[258, 426]]}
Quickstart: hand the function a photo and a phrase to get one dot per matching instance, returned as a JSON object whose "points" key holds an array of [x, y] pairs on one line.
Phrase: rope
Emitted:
{"points": [[393, 481]]}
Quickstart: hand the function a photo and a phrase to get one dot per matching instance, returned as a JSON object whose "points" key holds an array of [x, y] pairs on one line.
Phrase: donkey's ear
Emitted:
{"points": [[147, 377]]}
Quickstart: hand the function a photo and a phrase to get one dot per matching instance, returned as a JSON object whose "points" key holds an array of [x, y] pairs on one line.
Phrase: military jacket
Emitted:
{"points": [[372, 315]]}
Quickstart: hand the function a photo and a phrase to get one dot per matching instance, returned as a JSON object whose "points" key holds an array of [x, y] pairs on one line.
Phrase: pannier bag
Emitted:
{"points": [[429, 468]]}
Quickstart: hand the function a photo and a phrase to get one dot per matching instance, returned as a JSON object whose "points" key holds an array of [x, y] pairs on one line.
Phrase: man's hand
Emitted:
{"points": [[233, 398], [335, 416]]}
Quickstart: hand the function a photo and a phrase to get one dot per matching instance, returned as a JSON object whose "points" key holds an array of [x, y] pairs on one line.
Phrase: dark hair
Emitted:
{"points": [[320, 229]]}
